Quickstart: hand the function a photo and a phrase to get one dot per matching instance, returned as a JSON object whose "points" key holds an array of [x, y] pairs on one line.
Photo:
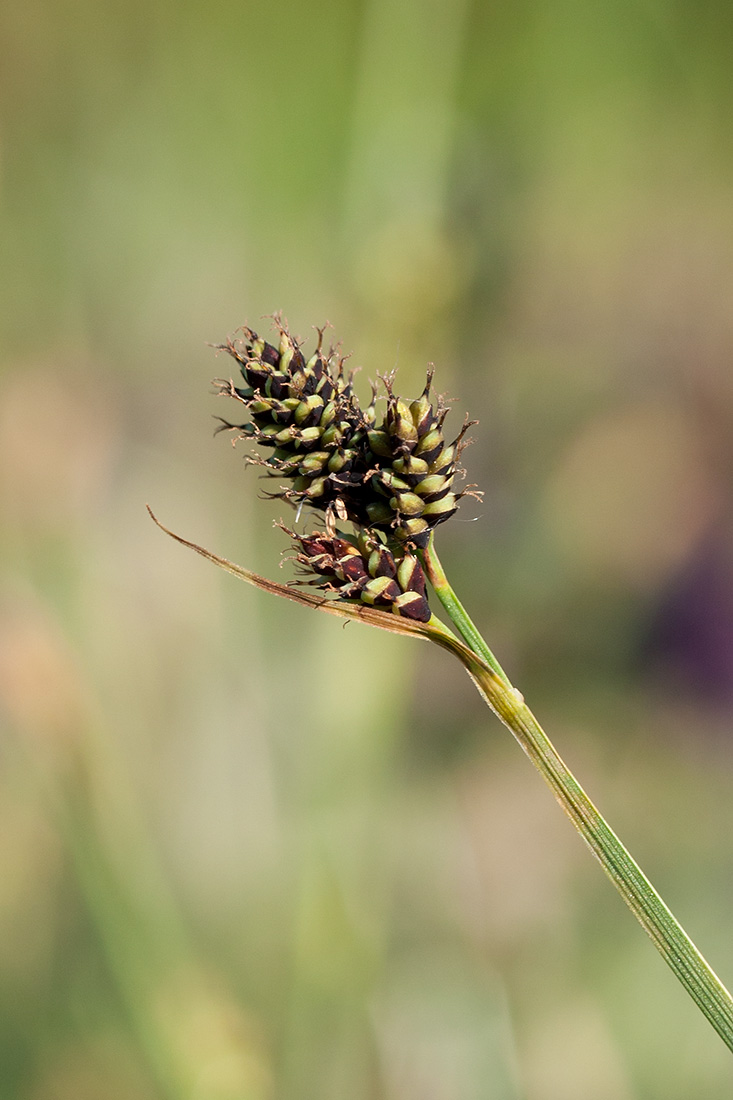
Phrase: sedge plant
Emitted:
{"points": [[379, 480]]}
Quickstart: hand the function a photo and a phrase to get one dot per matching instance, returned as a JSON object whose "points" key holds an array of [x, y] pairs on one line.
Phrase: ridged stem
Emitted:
{"points": [[455, 609], [665, 931]]}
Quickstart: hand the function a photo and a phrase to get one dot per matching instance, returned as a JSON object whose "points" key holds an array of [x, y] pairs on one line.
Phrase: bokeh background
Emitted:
{"points": [[248, 854]]}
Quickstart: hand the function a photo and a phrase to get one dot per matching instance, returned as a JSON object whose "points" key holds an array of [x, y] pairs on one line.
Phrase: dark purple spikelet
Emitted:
{"points": [[366, 570]]}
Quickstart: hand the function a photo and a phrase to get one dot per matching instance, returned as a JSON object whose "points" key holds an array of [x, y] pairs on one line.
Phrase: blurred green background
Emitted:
{"points": [[248, 854]]}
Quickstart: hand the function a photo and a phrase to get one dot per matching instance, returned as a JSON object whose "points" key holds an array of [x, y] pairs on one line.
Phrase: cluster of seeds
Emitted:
{"points": [[396, 475], [392, 478], [366, 570], [414, 466], [305, 414]]}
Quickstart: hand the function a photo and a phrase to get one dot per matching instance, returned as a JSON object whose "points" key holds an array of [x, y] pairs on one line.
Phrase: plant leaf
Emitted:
{"points": [[433, 630]]}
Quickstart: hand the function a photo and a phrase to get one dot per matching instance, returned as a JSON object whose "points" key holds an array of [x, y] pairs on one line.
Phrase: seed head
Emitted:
{"points": [[394, 475]]}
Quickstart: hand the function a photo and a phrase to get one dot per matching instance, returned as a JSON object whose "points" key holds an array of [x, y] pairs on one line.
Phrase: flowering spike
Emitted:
{"points": [[395, 473]]}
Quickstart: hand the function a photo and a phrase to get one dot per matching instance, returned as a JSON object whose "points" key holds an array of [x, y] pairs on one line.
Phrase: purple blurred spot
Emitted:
{"points": [[691, 634]]}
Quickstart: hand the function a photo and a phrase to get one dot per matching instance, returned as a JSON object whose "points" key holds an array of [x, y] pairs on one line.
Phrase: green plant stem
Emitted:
{"points": [[668, 936], [455, 609]]}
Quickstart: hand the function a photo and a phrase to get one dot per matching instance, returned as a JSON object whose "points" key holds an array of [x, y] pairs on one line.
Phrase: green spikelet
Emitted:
{"points": [[414, 466]]}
